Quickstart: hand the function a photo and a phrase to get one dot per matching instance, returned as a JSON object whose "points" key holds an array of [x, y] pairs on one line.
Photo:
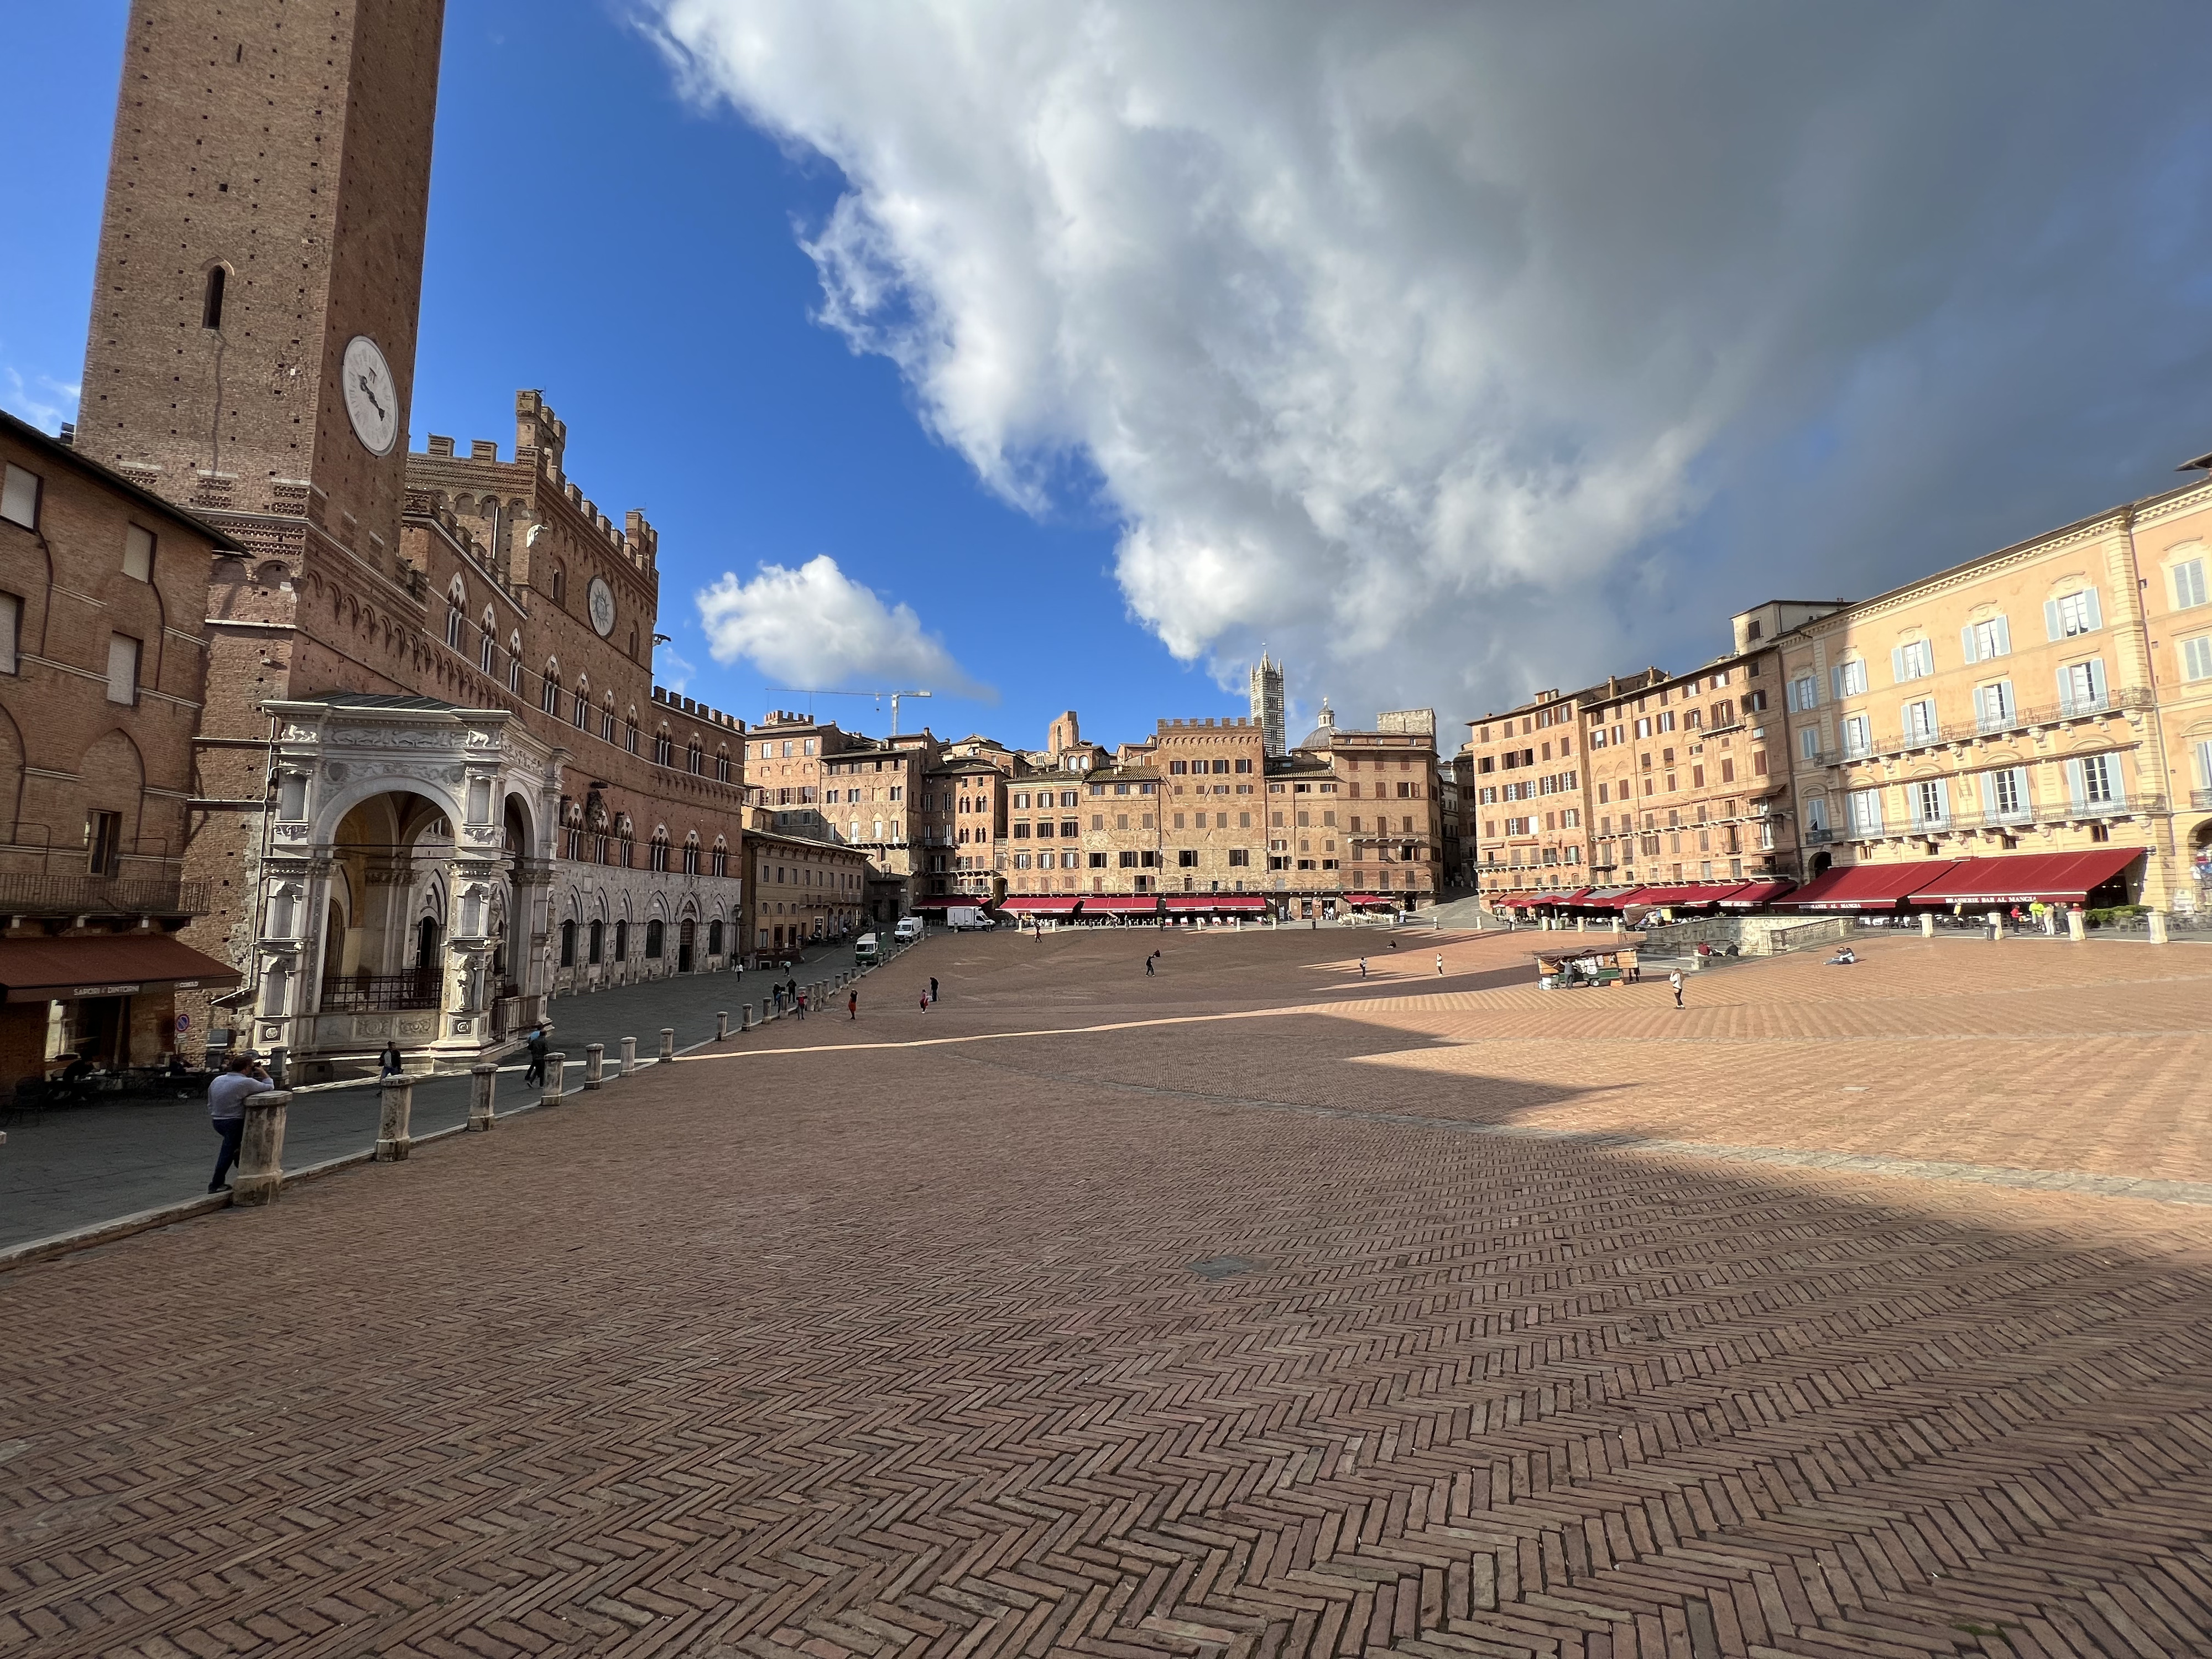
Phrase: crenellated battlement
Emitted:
{"points": [[681, 704], [1227, 726]]}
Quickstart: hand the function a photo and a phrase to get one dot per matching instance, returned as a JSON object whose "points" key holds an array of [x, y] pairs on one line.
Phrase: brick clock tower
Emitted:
{"points": [[253, 342], [252, 356]]}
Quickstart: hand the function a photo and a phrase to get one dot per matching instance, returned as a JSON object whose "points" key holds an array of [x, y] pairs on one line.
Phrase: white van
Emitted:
{"points": [[863, 952], [908, 930]]}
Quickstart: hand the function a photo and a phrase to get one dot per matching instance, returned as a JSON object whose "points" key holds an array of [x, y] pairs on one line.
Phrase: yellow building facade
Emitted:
{"points": [[2055, 696]]}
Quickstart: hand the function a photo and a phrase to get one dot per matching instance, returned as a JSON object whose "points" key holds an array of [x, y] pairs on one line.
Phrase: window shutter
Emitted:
{"points": [[2077, 790], [1897, 665], [1966, 644], [1836, 683], [11, 628], [1943, 798], [2065, 690], [2112, 777], [1981, 705], [2051, 618], [1988, 795], [2096, 681], [122, 668], [2004, 640], [2096, 617]]}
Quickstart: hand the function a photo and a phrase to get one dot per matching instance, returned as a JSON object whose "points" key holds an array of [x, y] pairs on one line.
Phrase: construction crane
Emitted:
{"points": [[802, 691]]}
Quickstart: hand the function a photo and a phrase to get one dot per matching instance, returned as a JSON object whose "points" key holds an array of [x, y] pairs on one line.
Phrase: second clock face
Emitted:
{"points": [[602, 599], [371, 399]]}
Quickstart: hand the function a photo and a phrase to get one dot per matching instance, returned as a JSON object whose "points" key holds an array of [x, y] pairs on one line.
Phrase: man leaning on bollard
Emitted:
{"points": [[227, 1097]]}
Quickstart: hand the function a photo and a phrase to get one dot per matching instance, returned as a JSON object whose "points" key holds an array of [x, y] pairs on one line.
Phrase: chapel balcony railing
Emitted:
{"points": [[382, 993]]}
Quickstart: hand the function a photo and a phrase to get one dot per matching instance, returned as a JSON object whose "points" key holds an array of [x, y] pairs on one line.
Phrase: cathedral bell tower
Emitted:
{"points": [[252, 352]]}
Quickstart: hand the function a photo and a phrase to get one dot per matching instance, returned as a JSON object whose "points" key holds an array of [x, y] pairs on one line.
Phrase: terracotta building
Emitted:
{"points": [[430, 739], [1686, 782], [102, 672], [804, 890], [2049, 698], [1527, 796]]}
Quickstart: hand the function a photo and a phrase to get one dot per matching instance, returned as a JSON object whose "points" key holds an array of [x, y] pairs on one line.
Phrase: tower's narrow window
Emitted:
{"points": [[211, 312]]}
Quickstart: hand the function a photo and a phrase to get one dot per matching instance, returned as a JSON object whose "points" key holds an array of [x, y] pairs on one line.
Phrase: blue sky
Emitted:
{"points": [[1450, 353]]}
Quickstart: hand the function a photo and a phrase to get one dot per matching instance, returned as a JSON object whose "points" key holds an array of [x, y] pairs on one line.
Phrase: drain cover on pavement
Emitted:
{"points": [[1222, 1266]]}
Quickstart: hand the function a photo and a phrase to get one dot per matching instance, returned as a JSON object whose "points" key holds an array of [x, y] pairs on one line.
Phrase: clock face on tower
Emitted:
{"points": [[371, 400], [602, 599]]}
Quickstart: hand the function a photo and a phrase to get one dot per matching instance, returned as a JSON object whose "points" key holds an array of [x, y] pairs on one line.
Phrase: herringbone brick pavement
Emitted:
{"points": [[918, 1336]]}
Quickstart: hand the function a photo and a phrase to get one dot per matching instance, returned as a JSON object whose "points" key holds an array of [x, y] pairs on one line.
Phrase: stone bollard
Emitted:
{"points": [[1994, 923], [397, 1100], [261, 1150], [1927, 924], [2077, 928], [556, 1063], [595, 1059], [484, 1080], [629, 1056], [2156, 922], [667, 1044], [721, 1023], [744, 1016]]}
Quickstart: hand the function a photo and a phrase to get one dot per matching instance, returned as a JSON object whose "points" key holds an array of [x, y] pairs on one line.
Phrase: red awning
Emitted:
{"points": [[2052, 877], [1100, 904], [1215, 901], [1680, 897], [106, 965], [1752, 895], [1605, 898], [1370, 898], [1040, 904], [1866, 886]]}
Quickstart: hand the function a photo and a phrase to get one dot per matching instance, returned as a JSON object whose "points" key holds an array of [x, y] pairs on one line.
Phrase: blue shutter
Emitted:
{"points": [[1989, 796], [1897, 665], [2076, 788], [2051, 618], [2065, 692], [2004, 640], [1836, 683], [2096, 681], [2096, 617], [1966, 644], [1981, 705]]}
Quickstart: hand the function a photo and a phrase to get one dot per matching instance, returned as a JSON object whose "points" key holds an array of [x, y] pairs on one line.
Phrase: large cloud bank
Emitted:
{"points": [[816, 628], [1455, 348]]}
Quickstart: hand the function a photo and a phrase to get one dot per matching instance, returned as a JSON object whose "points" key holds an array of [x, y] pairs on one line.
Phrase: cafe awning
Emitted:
{"points": [[2027, 878], [106, 965], [1371, 900], [1866, 886], [1121, 903], [1752, 895], [1040, 904]]}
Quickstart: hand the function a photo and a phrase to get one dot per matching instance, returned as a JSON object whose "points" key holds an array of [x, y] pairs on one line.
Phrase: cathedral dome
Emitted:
{"points": [[1324, 735]]}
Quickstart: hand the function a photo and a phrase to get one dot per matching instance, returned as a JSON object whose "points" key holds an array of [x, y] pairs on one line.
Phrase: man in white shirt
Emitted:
{"points": [[227, 1097]]}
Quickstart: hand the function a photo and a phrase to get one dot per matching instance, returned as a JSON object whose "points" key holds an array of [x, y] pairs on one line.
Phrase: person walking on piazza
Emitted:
{"points": [[853, 1004], [933, 987], [391, 1062], [1440, 964], [1363, 966], [1674, 983], [227, 1097], [535, 1077], [1148, 964]]}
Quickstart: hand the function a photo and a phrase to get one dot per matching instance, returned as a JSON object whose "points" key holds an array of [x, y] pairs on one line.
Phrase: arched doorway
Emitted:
{"points": [[686, 937], [386, 915], [1820, 864]]}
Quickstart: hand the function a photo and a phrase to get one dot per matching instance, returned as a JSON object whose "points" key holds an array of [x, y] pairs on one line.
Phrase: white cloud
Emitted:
{"points": [[1404, 337], [43, 401], [815, 627]]}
